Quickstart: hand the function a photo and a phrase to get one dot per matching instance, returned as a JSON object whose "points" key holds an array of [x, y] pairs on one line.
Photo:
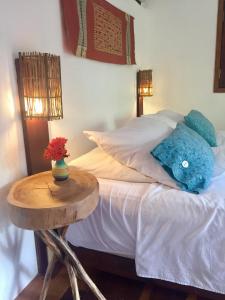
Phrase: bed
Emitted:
{"points": [[131, 233]]}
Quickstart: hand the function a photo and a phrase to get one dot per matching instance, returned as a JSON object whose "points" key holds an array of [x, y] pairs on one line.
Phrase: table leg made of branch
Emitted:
{"points": [[55, 240]]}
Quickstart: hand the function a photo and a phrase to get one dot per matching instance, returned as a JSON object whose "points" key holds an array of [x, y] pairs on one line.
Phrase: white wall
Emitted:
{"points": [[95, 95], [176, 38], [182, 41]]}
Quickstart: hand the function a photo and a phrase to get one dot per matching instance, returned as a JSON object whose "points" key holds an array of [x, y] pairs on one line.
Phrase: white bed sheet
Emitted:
{"points": [[173, 235], [112, 227], [181, 236]]}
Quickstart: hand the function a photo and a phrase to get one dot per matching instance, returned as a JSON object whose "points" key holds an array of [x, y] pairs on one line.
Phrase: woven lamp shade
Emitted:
{"points": [[144, 83], [40, 86]]}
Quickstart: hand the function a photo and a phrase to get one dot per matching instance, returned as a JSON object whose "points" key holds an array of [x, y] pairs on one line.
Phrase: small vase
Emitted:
{"points": [[60, 170]]}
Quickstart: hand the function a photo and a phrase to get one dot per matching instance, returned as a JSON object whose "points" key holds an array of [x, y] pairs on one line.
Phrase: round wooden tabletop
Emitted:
{"points": [[39, 202]]}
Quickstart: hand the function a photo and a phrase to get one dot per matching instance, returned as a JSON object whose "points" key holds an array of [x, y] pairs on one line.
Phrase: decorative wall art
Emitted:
{"points": [[219, 76], [97, 30]]}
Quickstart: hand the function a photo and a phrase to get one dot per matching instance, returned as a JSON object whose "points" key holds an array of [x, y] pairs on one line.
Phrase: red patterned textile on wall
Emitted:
{"points": [[97, 30]]}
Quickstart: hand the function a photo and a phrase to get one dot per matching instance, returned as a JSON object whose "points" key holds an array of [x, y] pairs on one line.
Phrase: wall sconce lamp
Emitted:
{"points": [[40, 95], [40, 86], [144, 88]]}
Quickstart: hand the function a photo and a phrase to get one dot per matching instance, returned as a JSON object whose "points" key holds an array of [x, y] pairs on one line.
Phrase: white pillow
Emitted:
{"points": [[136, 132], [167, 116], [219, 153], [102, 165], [131, 145]]}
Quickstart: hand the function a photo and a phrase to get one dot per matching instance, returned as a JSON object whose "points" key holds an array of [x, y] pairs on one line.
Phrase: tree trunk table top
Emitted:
{"points": [[39, 202]]}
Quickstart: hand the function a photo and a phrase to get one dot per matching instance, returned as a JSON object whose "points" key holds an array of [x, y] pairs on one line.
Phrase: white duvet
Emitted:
{"points": [[175, 236], [181, 236]]}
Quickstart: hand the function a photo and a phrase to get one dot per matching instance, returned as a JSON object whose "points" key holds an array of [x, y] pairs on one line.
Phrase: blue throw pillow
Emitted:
{"points": [[187, 158], [199, 123]]}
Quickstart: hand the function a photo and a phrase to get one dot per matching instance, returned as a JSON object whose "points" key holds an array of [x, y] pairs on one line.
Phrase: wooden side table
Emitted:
{"points": [[39, 203]]}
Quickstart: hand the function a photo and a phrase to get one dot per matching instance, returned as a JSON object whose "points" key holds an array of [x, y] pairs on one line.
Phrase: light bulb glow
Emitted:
{"points": [[38, 107], [145, 90], [33, 107]]}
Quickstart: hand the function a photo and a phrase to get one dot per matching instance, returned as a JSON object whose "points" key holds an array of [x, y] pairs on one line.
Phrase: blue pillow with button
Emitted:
{"points": [[199, 123], [187, 158]]}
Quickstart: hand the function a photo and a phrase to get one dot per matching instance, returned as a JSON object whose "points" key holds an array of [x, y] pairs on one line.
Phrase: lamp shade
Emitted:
{"points": [[40, 85], [144, 83]]}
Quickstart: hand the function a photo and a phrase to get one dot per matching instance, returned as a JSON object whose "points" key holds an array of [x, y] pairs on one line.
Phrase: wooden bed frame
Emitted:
{"points": [[125, 267], [117, 265]]}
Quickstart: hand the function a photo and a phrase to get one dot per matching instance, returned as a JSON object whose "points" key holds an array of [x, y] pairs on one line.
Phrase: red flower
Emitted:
{"points": [[56, 149]]}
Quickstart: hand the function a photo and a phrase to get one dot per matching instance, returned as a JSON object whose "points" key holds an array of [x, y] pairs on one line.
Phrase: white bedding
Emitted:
{"points": [[181, 236], [103, 165], [112, 226], [173, 235]]}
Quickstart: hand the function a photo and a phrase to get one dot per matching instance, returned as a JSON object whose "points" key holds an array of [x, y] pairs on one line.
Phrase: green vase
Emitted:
{"points": [[60, 170]]}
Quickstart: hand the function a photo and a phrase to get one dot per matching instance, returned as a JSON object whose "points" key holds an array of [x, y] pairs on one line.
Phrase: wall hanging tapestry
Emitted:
{"points": [[97, 30]]}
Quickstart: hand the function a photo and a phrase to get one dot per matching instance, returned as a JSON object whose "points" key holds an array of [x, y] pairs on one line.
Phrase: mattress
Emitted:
{"points": [[112, 227]]}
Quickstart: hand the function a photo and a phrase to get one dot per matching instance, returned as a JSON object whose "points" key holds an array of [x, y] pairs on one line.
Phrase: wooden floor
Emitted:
{"points": [[113, 288]]}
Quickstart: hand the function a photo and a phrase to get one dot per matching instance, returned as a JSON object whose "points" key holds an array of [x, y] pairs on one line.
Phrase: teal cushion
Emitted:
{"points": [[187, 158], [199, 123]]}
